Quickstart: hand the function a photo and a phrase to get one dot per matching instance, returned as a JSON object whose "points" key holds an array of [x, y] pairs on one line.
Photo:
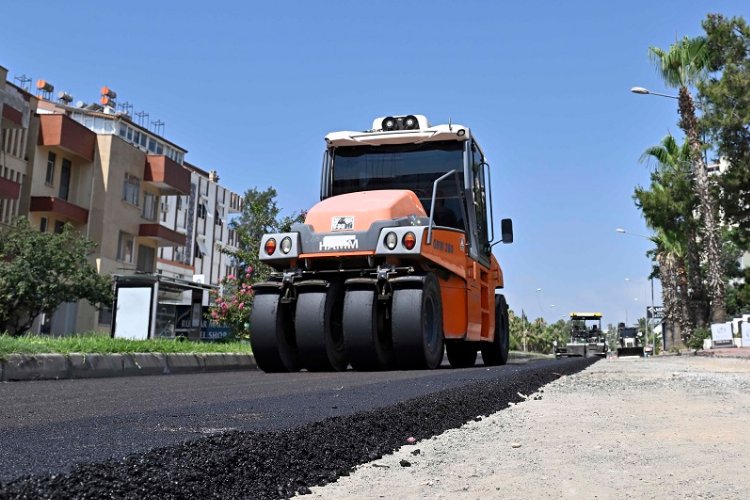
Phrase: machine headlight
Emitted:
{"points": [[411, 122], [389, 123], [391, 240], [286, 245]]}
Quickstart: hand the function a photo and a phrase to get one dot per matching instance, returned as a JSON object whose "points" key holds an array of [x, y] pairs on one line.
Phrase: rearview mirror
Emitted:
{"points": [[506, 227]]}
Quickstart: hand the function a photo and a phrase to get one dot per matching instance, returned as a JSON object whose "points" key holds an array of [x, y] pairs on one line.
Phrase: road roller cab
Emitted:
{"points": [[394, 265]]}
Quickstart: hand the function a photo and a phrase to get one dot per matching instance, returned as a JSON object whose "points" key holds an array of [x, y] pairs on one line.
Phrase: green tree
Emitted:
{"points": [[40, 271], [260, 215], [669, 206], [725, 101], [537, 335], [670, 257], [685, 64], [738, 287]]}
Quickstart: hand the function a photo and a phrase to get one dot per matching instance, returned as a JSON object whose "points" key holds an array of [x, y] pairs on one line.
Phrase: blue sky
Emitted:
{"points": [[250, 89]]}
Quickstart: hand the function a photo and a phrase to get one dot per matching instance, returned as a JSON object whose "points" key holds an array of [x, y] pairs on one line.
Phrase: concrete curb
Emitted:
{"points": [[22, 367]]}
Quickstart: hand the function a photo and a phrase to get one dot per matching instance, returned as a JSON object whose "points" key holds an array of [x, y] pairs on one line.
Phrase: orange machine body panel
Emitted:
{"points": [[467, 289], [468, 309], [365, 207]]}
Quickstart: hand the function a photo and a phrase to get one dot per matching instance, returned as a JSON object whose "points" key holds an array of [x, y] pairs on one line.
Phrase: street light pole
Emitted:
{"points": [[641, 90]]}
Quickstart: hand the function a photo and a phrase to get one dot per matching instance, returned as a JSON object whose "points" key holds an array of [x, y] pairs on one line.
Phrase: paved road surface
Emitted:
{"points": [[46, 426]]}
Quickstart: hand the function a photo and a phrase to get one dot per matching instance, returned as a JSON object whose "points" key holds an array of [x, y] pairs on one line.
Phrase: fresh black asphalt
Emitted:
{"points": [[234, 435]]}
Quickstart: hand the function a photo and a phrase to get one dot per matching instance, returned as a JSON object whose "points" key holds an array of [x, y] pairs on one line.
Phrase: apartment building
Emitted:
{"points": [[203, 217], [120, 184], [17, 124]]}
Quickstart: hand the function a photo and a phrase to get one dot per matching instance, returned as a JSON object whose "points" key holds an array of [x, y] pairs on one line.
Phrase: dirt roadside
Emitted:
{"points": [[665, 427]]}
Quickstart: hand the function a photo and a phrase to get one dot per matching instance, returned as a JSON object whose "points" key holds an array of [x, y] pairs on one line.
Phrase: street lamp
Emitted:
{"points": [[622, 231], [641, 90]]}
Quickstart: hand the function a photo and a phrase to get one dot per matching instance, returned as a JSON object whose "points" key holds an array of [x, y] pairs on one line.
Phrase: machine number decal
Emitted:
{"points": [[343, 242], [342, 223], [442, 246]]}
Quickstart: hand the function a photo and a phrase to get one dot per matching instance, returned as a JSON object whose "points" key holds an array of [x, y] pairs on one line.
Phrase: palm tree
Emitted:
{"points": [[684, 64], [675, 212], [670, 256]]}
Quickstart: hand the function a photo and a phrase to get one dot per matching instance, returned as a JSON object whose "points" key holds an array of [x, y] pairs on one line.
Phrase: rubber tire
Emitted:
{"points": [[317, 326], [366, 341], [461, 354], [496, 352], [417, 325], [272, 335]]}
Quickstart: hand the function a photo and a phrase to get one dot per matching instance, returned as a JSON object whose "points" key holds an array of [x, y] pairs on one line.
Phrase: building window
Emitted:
{"points": [[125, 247], [59, 225], [43, 225], [149, 206], [201, 210], [200, 247], [49, 178], [65, 173], [132, 189], [219, 215]]}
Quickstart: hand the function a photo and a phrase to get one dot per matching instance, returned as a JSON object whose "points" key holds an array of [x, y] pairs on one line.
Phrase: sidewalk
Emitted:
{"points": [[726, 352], [21, 367]]}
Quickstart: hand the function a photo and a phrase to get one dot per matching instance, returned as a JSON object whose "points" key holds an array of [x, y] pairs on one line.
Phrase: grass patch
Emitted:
{"points": [[95, 343]]}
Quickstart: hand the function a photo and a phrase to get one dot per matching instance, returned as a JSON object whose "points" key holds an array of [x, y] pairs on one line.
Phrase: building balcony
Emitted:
{"points": [[164, 236], [9, 189], [167, 175], [62, 209], [63, 132], [10, 117]]}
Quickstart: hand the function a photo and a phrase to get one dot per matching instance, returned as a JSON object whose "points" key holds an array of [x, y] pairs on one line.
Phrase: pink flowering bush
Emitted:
{"points": [[231, 306]]}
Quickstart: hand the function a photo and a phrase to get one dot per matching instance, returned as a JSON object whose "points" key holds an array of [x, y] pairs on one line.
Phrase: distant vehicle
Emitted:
{"points": [[586, 337], [631, 341]]}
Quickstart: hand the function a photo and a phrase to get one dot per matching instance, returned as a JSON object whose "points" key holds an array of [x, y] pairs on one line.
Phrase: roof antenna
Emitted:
{"points": [[450, 127]]}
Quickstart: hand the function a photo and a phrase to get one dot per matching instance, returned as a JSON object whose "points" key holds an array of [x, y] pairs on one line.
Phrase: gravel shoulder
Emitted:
{"points": [[665, 427]]}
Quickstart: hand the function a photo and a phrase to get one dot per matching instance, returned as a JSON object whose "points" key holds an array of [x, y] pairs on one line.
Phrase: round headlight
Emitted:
{"points": [[409, 240], [391, 240], [286, 245], [410, 122], [270, 246], [389, 123]]}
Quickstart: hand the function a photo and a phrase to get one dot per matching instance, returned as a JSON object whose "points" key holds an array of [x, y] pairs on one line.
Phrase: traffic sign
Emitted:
{"points": [[655, 312]]}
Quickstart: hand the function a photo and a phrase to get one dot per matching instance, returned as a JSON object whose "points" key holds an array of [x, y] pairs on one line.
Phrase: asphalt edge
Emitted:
{"points": [[24, 367]]}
